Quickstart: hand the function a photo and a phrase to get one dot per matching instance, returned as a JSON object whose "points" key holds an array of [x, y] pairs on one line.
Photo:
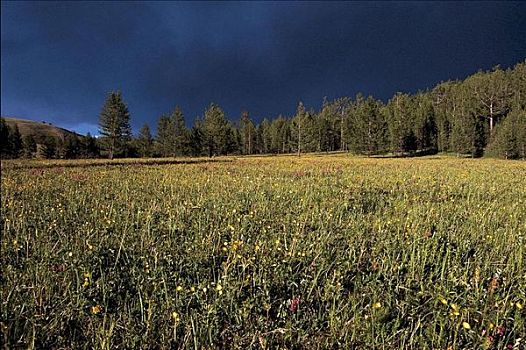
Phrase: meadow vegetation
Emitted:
{"points": [[287, 252]]}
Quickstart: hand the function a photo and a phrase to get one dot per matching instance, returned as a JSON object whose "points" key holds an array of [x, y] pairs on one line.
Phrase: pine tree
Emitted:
{"points": [[425, 128], [329, 127], [297, 127], [114, 122], [29, 146], [277, 135], [493, 93], [70, 147], [510, 136], [196, 139], [248, 133], [517, 77], [48, 148], [400, 120], [89, 147], [444, 107], [145, 141], [180, 133], [215, 130], [15, 142], [265, 136], [5, 145], [369, 128], [165, 136]]}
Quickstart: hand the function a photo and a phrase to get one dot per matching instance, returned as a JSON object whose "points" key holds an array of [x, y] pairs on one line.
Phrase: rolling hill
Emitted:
{"points": [[39, 130]]}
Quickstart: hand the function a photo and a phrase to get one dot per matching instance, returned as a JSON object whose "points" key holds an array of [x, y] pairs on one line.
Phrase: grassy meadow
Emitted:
{"points": [[328, 252]]}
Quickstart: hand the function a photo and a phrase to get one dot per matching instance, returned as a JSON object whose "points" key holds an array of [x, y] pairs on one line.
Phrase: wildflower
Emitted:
{"points": [[179, 289], [493, 284], [455, 310], [219, 288], [96, 309], [293, 305], [443, 301], [500, 330], [519, 305], [377, 305], [466, 325], [87, 278], [175, 316]]}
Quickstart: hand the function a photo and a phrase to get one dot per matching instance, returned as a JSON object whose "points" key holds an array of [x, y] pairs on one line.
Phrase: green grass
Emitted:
{"points": [[271, 252]]}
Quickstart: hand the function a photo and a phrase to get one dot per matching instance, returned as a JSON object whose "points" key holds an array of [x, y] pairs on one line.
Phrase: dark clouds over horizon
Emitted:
{"points": [[59, 60]]}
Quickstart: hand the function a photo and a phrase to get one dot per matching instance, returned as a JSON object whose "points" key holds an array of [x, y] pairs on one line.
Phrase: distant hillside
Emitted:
{"points": [[39, 130]]}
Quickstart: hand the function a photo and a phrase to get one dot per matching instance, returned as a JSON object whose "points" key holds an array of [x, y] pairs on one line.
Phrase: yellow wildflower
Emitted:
{"points": [[455, 310], [96, 309]]}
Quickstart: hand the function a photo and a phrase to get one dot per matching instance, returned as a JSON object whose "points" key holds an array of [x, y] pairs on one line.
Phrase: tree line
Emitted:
{"points": [[482, 114], [68, 146]]}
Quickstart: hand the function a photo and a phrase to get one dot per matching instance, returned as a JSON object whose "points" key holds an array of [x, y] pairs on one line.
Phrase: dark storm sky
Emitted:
{"points": [[59, 60]]}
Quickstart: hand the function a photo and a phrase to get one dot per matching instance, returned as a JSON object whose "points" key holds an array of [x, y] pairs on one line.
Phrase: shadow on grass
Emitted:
{"points": [[83, 163], [414, 154]]}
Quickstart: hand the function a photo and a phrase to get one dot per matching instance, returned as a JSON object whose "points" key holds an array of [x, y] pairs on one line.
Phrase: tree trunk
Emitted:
{"points": [[112, 147], [299, 138], [342, 145], [249, 142], [491, 118]]}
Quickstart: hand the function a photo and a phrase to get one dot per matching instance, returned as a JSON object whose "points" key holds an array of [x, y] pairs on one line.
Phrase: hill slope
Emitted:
{"points": [[39, 130]]}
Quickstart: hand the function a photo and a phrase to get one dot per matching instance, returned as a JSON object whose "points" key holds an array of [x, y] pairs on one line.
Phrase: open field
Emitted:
{"points": [[272, 252]]}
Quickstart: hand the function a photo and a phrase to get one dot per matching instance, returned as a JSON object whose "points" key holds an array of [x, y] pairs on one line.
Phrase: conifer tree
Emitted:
{"points": [[248, 133], [15, 142], [369, 128], [29, 146], [424, 124], [298, 126], [165, 136], [145, 141], [114, 122], [278, 135], [400, 123], [89, 147], [180, 133], [510, 136], [5, 139], [196, 139], [215, 130], [492, 91]]}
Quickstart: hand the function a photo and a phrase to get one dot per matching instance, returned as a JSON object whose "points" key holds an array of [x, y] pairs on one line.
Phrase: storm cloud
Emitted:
{"points": [[60, 59]]}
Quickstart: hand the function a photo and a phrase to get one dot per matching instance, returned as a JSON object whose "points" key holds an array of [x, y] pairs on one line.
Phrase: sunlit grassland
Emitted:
{"points": [[270, 252]]}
